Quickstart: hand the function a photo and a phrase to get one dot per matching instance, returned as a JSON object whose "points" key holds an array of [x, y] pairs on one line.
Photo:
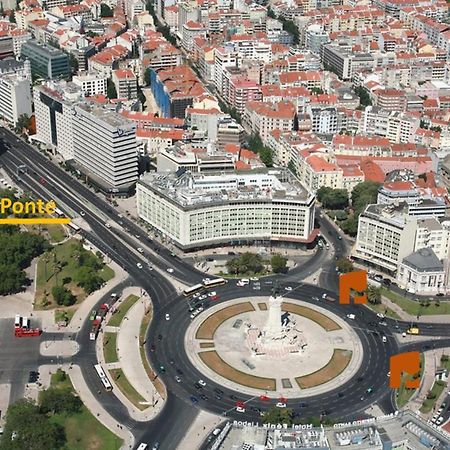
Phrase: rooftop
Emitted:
{"points": [[424, 260]]}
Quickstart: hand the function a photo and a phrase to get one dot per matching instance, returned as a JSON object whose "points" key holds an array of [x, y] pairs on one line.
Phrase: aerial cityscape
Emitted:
{"points": [[224, 224]]}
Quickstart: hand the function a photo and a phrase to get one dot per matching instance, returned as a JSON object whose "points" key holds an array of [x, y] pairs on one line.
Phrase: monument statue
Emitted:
{"points": [[279, 336]]}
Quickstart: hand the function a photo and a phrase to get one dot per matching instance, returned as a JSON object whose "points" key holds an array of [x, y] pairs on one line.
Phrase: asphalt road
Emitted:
{"points": [[170, 426]]}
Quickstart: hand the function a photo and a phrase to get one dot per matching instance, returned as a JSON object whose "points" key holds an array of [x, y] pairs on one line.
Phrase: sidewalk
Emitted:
{"points": [[204, 424], [130, 361]]}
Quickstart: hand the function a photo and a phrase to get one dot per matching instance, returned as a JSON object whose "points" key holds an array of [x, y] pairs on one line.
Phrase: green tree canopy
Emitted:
{"points": [[111, 91], [88, 279], [247, 263], [63, 296], [59, 400], [276, 415], [373, 295], [344, 265], [278, 263], [27, 429], [332, 198], [106, 11]]}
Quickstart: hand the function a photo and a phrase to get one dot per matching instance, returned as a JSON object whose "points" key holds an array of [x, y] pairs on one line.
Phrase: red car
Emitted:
{"points": [[215, 297]]}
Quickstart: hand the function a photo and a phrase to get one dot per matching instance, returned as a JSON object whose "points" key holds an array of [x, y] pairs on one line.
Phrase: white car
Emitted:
{"points": [[316, 299], [107, 225], [201, 383], [203, 297], [280, 405], [170, 270], [82, 213], [178, 379], [212, 294], [288, 288], [140, 250], [150, 268], [167, 316], [196, 295], [200, 309], [381, 316], [351, 316], [205, 280], [195, 314], [240, 409], [324, 296], [254, 279], [139, 265]]}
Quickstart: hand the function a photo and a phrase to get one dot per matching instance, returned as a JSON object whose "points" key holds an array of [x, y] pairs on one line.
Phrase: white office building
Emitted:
{"points": [[53, 105], [197, 210], [15, 97], [105, 146]]}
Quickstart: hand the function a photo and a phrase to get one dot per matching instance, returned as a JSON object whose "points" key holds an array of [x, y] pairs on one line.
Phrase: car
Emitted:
{"points": [[340, 394], [316, 299], [152, 348], [256, 287], [140, 250], [288, 288], [218, 391], [170, 270], [439, 421], [160, 337], [254, 279], [351, 316], [203, 297], [212, 294], [200, 309], [194, 314], [162, 369], [142, 446], [215, 298], [150, 267], [33, 377], [93, 314], [82, 213], [139, 265], [194, 399], [370, 390], [155, 446], [383, 323], [202, 383], [384, 339], [205, 280], [233, 397], [440, 294], [240, 409], [324, 296], [218, 396], [203, 397], [340, 237], [281, 405], [167, 316], [255, 409], [107, 225], [381, 316], [360, 379]]}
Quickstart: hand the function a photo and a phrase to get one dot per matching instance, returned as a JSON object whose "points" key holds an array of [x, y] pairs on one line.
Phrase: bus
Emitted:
{"points": [[214, 283], [74, 226], [18, 321], [25, 323], [103, 378], [193, 290]]}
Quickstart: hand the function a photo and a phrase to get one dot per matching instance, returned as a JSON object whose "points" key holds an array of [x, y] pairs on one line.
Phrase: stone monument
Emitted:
{"points": [[279, 336]]}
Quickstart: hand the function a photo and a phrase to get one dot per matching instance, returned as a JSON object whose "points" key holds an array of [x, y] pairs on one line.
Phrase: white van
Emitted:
{"points": [[384, 338], [142, 446], [216, 431]]}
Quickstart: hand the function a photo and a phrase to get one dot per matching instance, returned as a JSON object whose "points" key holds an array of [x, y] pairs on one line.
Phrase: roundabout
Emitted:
{"points": [[341, 374], [322, 350]]}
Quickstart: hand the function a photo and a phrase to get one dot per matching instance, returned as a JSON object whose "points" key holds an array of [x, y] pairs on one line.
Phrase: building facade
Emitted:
{"points": [[196, 210], [15, 97]]}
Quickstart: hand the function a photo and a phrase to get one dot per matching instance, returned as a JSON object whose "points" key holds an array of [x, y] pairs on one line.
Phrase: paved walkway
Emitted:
{"points": [[130, 360]]}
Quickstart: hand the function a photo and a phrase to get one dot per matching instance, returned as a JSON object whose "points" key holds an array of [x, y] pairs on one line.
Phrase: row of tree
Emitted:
{"points": [[251, 263], [31, 426], [256, 145]]}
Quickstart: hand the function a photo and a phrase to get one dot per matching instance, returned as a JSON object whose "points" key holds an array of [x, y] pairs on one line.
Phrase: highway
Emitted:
{"points": [[119, 243]]}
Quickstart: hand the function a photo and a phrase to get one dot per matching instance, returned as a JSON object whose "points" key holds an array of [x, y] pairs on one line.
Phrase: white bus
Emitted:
{"points": [[18, 321], [193, 290], [74, 226], [214, 283], [26, 323], [103, 378], [58, 212]]}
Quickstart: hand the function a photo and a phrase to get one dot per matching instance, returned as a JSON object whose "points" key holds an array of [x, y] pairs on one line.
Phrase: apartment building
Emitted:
{"points": [[91, 83], [189, 32], [240, 91], [125, 82], [263, 117], [15, 97], [198, 210]]}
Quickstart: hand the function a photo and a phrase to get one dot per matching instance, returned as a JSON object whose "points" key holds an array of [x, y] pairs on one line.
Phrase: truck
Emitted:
{"points": [[94, 330]]}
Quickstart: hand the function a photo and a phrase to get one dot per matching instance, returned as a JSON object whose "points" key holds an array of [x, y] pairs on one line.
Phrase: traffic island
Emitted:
{"points": [[239, 343]]}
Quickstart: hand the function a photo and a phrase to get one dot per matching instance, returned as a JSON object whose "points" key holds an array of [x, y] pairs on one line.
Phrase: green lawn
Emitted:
{"points": [[110, 347], [382, 309], [404, 394], [56, 232], [83, 431], [445, 364], [64, 315], [414, 307], [127, 389], [121, 311], [61, 264], [437, 389]]}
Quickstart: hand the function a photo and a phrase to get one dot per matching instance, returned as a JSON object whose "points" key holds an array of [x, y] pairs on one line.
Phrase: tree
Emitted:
{"points": [[278, 263], [266, 156], [63, 296], [363, 194], [350, 226], [12, 17], [106, 11], [147, 76], [23, 122], [344, 265], [316, 90], [88, 279], [276, 415], [250, 263], [332, 198], [364, 96], [59, 400], [111, 91], [373, 295], [27, 429]]}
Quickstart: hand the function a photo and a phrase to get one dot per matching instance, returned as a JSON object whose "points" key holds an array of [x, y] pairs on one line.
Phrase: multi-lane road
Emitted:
{"points": [[119, 241]]}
